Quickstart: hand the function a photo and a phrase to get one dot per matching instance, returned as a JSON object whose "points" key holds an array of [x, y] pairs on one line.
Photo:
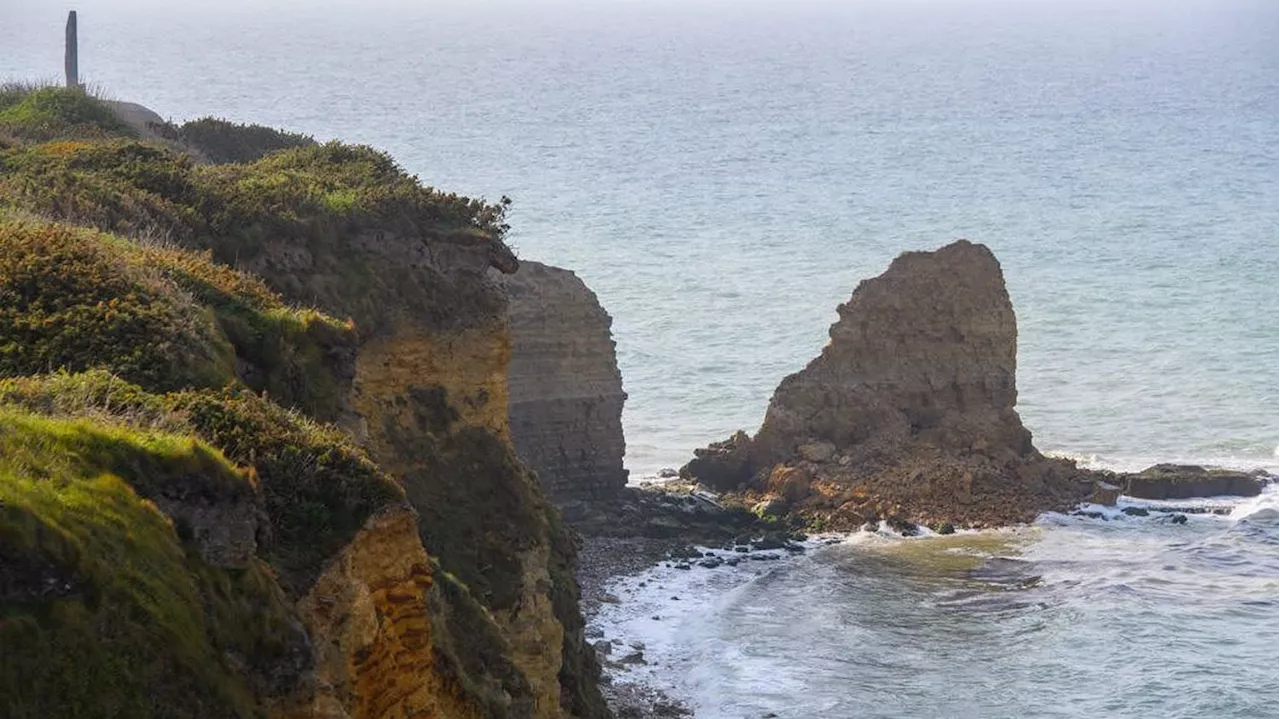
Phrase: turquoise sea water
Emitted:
{"points": [[723, 174]]}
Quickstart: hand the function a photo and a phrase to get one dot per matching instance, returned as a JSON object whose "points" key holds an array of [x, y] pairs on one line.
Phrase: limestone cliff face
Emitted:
{"points": [[371, 634], [429, 400], [433, 408], [909, 410], [566, 394]]}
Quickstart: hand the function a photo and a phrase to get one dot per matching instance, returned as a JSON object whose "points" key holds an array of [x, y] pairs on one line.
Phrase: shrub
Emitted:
{"points": [[69, 300], [32, 112], [222, 141], [161, 317]]}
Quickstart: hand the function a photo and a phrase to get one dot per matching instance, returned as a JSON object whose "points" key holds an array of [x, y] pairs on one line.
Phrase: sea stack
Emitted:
{"points": [[908, 413], [565, 401]]}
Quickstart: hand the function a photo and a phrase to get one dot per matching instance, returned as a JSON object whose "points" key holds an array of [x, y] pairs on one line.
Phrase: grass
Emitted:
{"points": [[105, 612], [317, 489], [161, 317], [44, 112]]}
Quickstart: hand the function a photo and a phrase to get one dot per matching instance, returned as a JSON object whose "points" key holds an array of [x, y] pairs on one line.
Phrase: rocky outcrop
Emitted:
{"points": [[565, 401], [224, 529], [434, 580], [908, 411], [1180, 481], [369, 612], [429, 401]]}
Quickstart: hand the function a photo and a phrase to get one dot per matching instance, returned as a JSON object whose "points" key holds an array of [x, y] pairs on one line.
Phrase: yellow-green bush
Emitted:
{"points": [[33, 112], [69, 299], [164, 318]]}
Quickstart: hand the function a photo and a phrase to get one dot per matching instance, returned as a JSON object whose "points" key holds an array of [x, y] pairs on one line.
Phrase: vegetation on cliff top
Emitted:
{"points": [[221, 141], [134, 359], [103, 609], [38, 113], [317, 489], [342, 226], [76, 299]]}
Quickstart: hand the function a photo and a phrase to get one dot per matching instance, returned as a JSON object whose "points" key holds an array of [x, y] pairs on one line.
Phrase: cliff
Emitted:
{"points": [[415, 566], [908, 413], [566, 397]]}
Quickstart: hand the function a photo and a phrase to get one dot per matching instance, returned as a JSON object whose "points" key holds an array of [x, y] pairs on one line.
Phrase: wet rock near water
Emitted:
{"points": [[674, 513], [1178, 481]]}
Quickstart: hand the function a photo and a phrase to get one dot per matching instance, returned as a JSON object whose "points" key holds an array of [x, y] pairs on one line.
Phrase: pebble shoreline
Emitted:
{"points": [[601, 560]]}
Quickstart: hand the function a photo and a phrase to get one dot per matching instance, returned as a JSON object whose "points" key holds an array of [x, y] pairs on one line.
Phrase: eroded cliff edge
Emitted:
{"points": [[410, 567], [566, 395], [908, 413]]}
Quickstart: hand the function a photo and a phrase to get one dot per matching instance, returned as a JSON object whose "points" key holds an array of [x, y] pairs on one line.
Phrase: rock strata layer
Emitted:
{"points": [[908, 412], [565, 391]]}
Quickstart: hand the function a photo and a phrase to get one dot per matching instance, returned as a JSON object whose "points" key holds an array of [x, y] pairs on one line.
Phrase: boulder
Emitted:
{"points": [[790, 483], [722, 466], [1180, 481], [1104, 493]]}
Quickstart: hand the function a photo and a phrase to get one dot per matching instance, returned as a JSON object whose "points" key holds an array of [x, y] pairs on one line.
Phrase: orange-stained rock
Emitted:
{"points": [[368, 622], [790, 483], [434, 414]]}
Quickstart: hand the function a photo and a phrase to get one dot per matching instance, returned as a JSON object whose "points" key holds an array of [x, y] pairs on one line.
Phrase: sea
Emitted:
{"points": [[723, 173]]}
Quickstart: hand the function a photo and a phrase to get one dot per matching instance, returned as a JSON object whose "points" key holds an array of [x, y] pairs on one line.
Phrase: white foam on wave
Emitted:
{"points": [[1138, 463], [1266, 503], [660, 612]]}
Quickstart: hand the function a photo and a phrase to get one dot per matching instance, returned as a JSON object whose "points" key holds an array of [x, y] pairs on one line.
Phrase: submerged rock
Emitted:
{"points": [[1178, 481]]}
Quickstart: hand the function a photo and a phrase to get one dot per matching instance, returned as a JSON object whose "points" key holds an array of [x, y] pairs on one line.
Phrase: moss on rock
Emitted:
{"points": [[105, 611], [317, 489]]}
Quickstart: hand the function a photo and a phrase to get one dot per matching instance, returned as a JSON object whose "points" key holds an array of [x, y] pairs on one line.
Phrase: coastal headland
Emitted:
{"points": [[285, 433]]}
